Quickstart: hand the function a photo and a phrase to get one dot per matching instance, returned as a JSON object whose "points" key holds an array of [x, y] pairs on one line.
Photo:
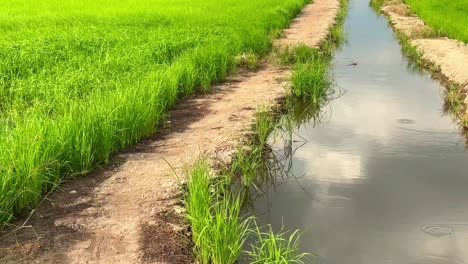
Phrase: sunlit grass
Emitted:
{"points": [[80, 80], [213, 212], [275, 248], [446, 17], [219, 232]]}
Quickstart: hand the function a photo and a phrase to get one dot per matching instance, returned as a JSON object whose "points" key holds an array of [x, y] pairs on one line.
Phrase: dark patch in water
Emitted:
{"points": [[406, 121]]}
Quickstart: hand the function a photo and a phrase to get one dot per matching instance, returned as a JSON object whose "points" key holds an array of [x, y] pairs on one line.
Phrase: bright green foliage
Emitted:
{"points": [[81, 79], [214, 215], [275, 248], [311, 79], [446, 17], [218, 230], [251, 163]]}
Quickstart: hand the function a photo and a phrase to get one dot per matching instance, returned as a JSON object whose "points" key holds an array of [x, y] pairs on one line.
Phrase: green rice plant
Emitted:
{"points": [[198, 203], [311, 80], [251, 162], [218, 231], [275, 248], [248, 163], [264, 123], [452, 22], [291, 55], [228, 230], [81, 80]]}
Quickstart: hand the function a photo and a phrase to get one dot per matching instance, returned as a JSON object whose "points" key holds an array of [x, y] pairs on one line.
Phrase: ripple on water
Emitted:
{"points": [[437, 260], [334, 201], [437, 230]]}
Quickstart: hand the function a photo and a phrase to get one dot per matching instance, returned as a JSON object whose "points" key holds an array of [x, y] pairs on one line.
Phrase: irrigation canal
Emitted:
{"points": [[382, 177]]}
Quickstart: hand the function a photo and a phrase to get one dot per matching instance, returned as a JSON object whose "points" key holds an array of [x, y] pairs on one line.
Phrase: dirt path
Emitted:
{"points": [[450, 56], [126, 213]]}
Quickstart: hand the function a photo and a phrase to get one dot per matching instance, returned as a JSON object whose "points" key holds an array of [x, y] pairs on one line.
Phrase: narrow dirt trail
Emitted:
{"points": [[124, 212]]}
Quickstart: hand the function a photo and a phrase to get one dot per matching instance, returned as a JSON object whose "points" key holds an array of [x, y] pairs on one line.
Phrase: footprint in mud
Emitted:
{"points": [[437, 230], [406, 121]]}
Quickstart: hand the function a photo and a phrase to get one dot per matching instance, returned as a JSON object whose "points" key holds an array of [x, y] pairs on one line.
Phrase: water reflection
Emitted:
{"points": [[384, 175]]}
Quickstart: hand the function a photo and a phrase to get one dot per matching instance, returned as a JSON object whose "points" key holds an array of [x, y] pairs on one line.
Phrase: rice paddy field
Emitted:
{"points": [[82, 79], [448, 17]]}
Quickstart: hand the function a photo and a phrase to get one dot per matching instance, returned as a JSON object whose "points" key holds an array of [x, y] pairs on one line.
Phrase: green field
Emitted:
{"points": [[448, 17], [81, 79]]}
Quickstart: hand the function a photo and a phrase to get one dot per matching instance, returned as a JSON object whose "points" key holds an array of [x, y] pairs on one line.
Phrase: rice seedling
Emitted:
{"points": [[213, 212], [219, 232], [311, 80], [251, 162], [275, 248], [299, 54]]}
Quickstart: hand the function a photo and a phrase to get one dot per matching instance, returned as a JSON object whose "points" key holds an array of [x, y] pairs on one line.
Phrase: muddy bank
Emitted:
{"points": [[129, 212], [446, 57]]}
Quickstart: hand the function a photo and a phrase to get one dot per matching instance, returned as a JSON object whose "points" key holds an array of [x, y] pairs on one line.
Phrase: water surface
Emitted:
{"points": [[383, 178]]}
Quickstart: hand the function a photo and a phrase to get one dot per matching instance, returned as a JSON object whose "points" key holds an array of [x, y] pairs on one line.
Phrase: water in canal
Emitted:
{"points": [[383, 178]]}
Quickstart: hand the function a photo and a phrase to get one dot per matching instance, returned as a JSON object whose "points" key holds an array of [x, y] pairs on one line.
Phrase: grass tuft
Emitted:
{"points": [[218, 230], [275, 248], [213, 212], [310, 80]]}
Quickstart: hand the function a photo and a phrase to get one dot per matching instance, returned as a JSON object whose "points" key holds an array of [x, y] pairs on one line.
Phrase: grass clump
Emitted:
{"points": [[275, 248], [213, 212], [251, 162], [299, 54], [219, 232], [310, 80]]}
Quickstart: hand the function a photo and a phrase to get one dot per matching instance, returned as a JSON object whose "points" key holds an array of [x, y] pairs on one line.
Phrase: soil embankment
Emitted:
{"points": [[128, 212], [449, 56]]}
